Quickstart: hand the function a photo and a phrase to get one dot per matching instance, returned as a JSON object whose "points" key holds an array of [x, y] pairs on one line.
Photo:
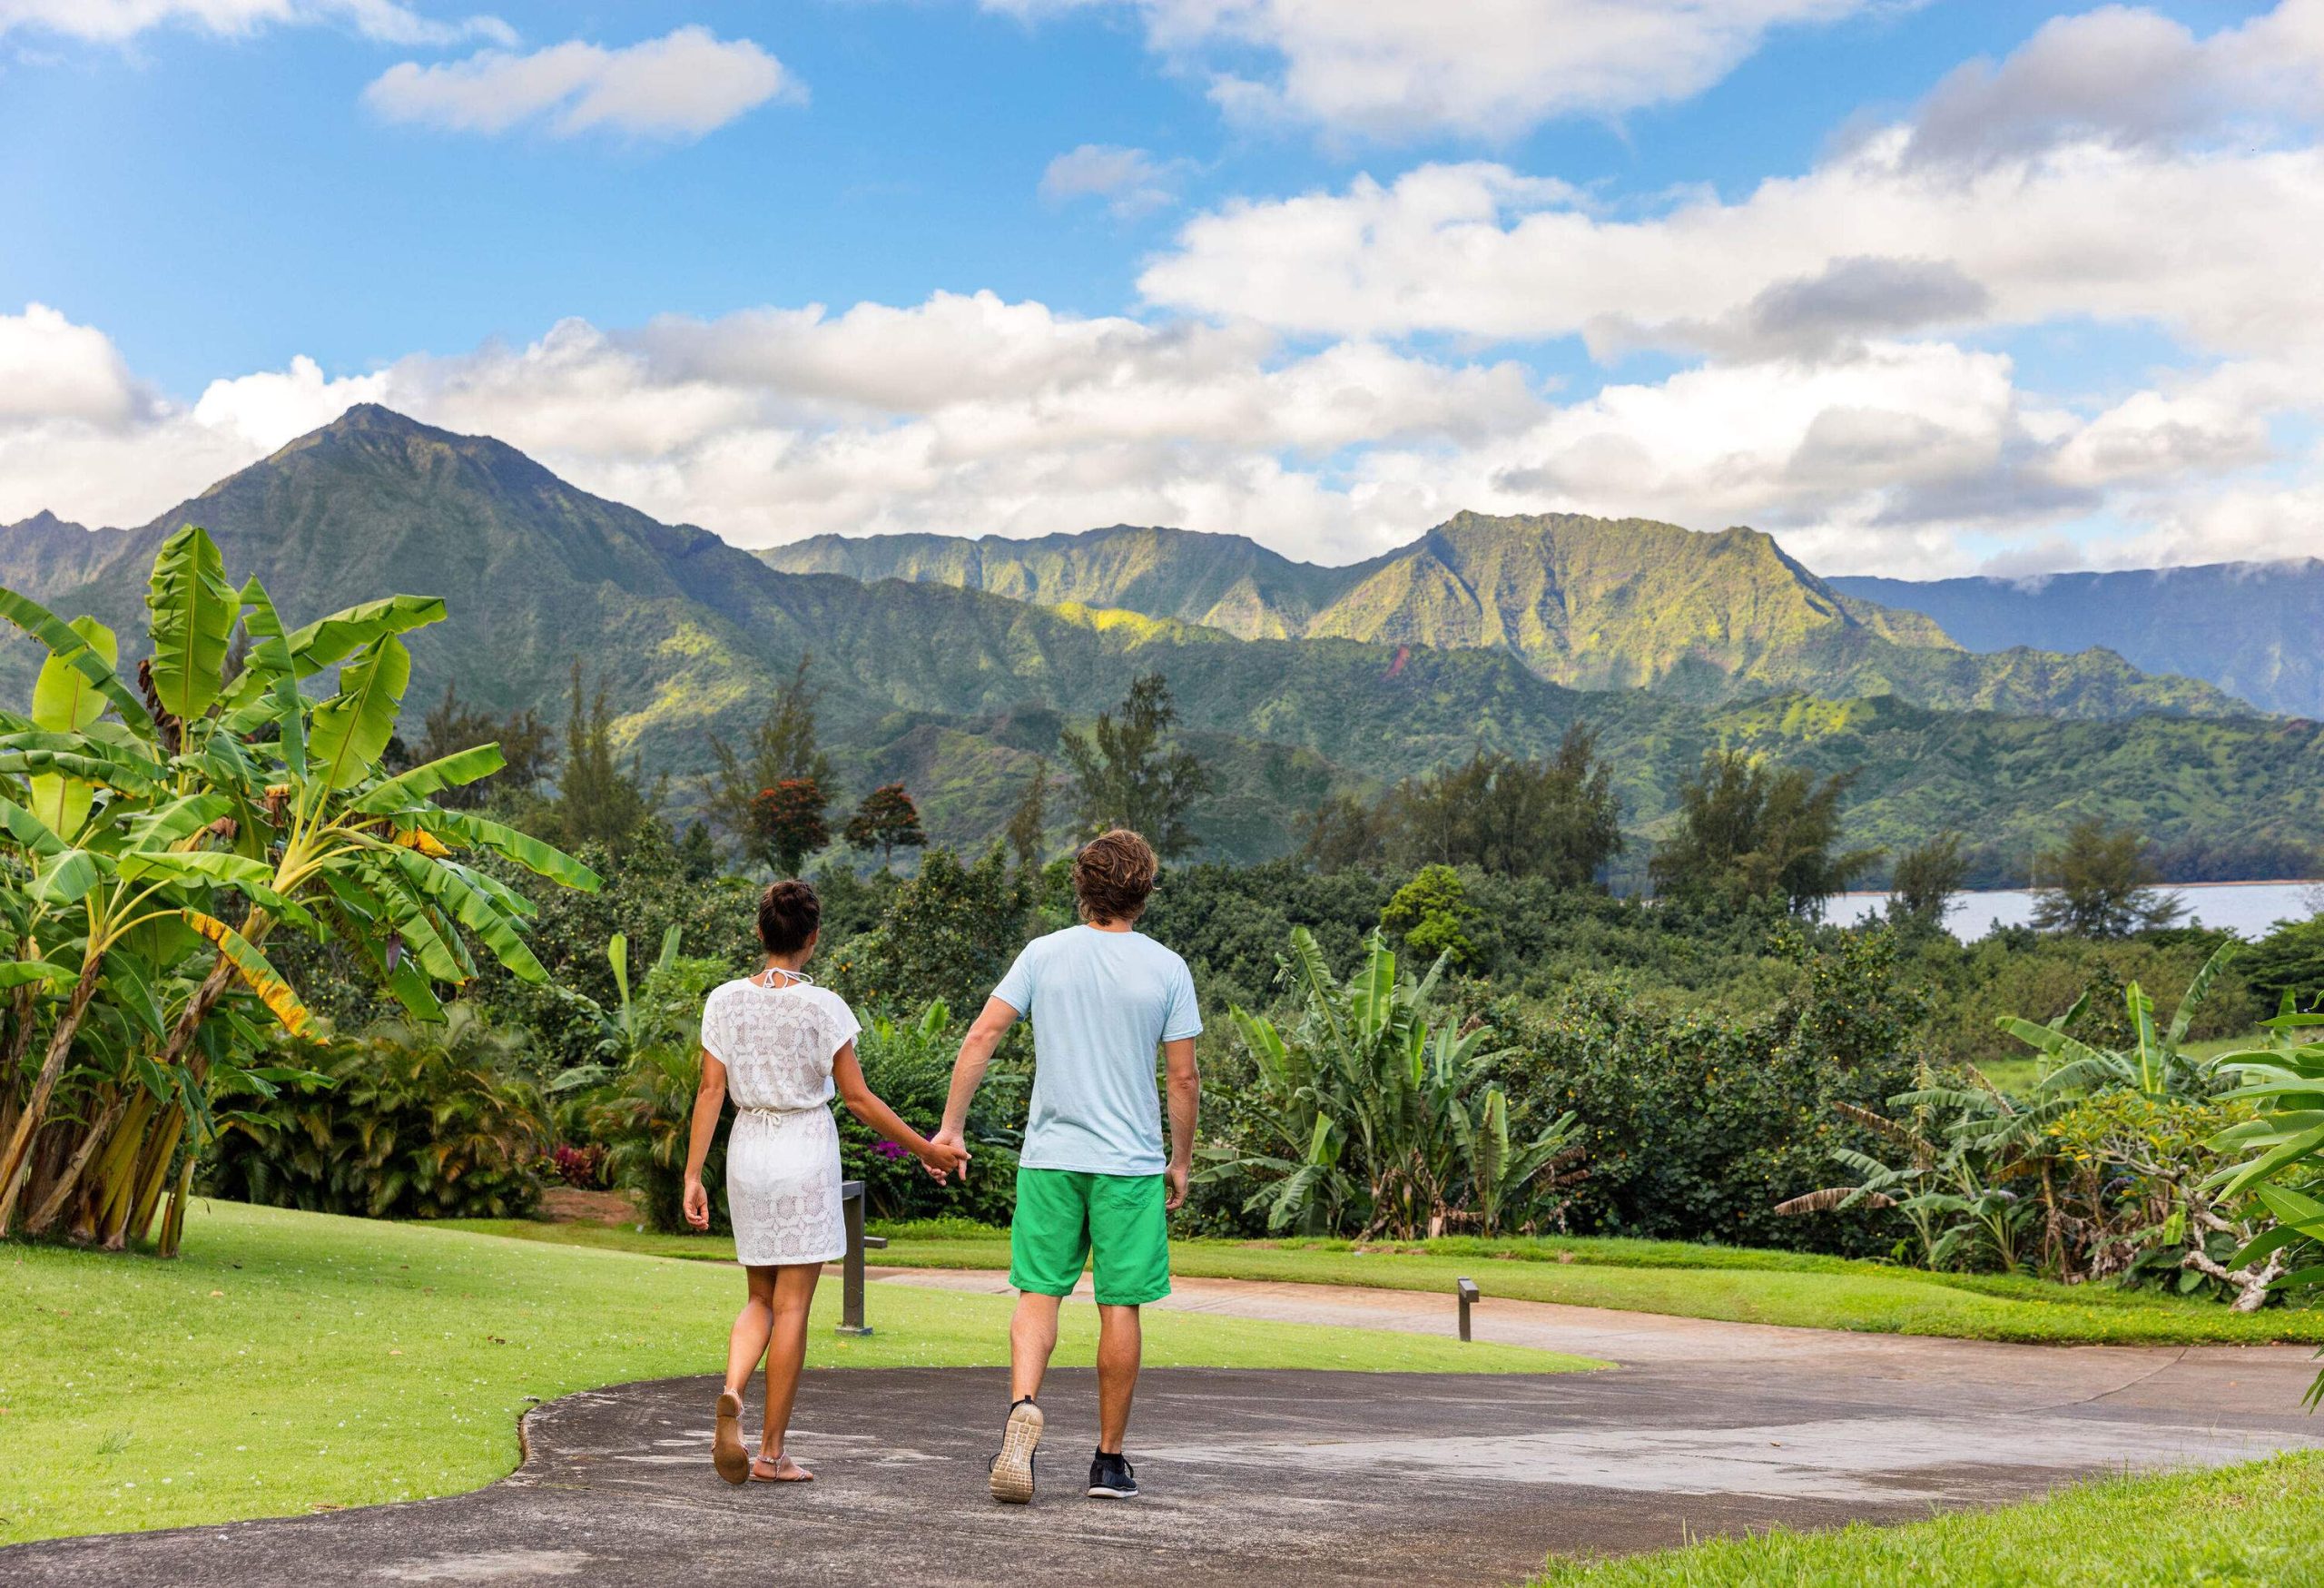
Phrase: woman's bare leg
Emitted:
{"points": [[793, 1288], [747, 1344]]}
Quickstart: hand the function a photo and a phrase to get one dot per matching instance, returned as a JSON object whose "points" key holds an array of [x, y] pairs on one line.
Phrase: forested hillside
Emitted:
{"points": [[1589, 603], [958, 693]]}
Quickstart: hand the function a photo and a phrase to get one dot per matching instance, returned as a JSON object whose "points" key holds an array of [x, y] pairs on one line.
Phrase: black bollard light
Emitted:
{"points": [[1468, 1292]]}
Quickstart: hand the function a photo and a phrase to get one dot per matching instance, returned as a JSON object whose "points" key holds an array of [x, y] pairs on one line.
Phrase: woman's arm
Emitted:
{"points": [[709, 1099], [939, 1159]]}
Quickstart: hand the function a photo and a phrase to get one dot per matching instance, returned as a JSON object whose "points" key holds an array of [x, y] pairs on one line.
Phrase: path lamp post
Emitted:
{"points": [[1468, 1292], [851, 1296]]}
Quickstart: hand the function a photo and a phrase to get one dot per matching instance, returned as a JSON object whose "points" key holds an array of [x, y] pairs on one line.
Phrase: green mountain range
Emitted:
{"points": [[1589, 603], [2253, 628], [957, 691]]}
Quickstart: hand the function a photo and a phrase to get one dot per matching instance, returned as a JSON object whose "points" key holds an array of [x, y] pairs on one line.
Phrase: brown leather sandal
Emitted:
{"points": [[726, 1452], [783, 1470]]}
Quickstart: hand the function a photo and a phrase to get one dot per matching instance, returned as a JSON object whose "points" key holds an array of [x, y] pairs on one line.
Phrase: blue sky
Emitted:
{"points": [[234, 217]]}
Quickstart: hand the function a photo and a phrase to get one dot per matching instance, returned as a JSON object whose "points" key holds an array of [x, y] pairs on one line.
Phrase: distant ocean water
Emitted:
{"points": [[2246, 909]]}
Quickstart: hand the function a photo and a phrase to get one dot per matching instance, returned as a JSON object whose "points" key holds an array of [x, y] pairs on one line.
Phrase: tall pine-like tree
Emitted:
{"points": [[1028, 822], [1127, 774], [780, 753]]}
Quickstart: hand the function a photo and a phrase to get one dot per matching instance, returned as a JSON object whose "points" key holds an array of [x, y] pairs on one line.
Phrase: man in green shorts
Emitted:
{"points": [[1093, 1183]]}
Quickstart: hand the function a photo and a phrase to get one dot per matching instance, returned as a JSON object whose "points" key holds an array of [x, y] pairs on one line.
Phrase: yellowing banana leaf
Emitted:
{"points": [[257, 975], [194, 610], [425, 841]]}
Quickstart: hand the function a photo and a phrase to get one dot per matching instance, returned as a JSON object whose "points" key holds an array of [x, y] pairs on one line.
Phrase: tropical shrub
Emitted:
{"points": [[1694, 1124], [908, 1065], [2107, 1172], [1375, 1113], [1428, 913], [406, 1120], [949, 934], [153, 838], [636, 1084]]}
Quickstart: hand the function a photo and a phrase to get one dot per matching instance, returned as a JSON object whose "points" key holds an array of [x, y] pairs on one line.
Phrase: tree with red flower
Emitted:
{"points": [[787, 823]]}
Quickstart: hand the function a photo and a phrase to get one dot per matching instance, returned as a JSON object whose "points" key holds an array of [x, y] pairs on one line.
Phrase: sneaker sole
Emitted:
{"points": [[1012, 1469], [1104, 1494]]}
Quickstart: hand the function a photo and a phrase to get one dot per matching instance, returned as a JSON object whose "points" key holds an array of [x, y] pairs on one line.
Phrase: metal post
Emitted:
{"points": [[851, 1307], [1467, 1290]]}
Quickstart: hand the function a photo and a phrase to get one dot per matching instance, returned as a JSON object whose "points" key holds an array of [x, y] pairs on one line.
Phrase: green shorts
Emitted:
{"points": [[1116, 1223]]}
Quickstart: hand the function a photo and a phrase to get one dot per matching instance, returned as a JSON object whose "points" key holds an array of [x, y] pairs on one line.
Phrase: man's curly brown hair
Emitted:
{"points": [[1113, 875]]}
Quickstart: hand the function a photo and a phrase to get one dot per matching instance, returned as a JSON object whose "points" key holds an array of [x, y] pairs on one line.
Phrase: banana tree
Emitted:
{"points": [[151, 839], [1356, 1107]]}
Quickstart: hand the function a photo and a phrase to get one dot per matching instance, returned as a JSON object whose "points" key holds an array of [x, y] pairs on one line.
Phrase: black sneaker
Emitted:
{"points": [[1111, 1477]]}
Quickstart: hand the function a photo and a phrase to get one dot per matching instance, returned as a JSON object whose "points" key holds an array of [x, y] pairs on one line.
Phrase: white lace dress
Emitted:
{"points": [[777, 1044]]}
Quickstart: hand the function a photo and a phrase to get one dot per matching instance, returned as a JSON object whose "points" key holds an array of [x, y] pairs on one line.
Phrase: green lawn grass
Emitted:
{"points": [[1735, 1284], [293, 1361], [2254, 1523]]}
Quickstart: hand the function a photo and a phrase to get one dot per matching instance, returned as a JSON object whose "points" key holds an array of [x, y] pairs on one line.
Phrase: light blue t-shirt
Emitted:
{"points": [[1101, 1003]]}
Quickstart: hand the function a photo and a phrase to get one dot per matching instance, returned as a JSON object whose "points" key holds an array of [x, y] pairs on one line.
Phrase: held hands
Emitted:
{"points": [[943, 1153], [1175, 1178], [697, 1203]]}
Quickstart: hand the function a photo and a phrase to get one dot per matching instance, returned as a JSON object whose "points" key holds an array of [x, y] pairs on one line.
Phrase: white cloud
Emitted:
{"points": [[1394, 68], [114, 21], [2128, 78], [969, 414], [684, 84], [2194, 242], [1132, 182]]}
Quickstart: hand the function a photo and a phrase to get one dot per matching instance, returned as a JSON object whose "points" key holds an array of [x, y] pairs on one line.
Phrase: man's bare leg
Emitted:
{"points": [[1033, 1339], [1032, 1336], [1119, 1341]]}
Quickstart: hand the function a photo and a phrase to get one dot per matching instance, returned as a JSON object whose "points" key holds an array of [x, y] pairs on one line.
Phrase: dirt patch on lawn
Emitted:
{"points": [[571, 1205]]}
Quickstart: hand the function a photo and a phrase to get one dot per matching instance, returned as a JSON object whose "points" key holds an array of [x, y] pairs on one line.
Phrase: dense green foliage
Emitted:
{"points": [[403, 1121], [1749, 831]]}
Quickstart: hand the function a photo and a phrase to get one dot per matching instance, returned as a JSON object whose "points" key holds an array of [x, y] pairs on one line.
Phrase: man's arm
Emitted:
{"points": [[1185, 1084], [967, 1072]]}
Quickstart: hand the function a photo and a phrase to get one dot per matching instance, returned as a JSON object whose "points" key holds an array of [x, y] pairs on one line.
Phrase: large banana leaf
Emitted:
{"points": [[353, 726], [471, 903], [408, 789], [545, 860], [194, 610], [343, 634], [75, 652], [273, 672], [65, 701]]}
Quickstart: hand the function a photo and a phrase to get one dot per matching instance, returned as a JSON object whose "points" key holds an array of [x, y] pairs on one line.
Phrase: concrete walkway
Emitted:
{"points": [[1312, 1478]]}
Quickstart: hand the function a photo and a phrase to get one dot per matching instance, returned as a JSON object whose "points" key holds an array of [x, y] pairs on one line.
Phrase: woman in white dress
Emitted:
{"points": [[780, 1045]]}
